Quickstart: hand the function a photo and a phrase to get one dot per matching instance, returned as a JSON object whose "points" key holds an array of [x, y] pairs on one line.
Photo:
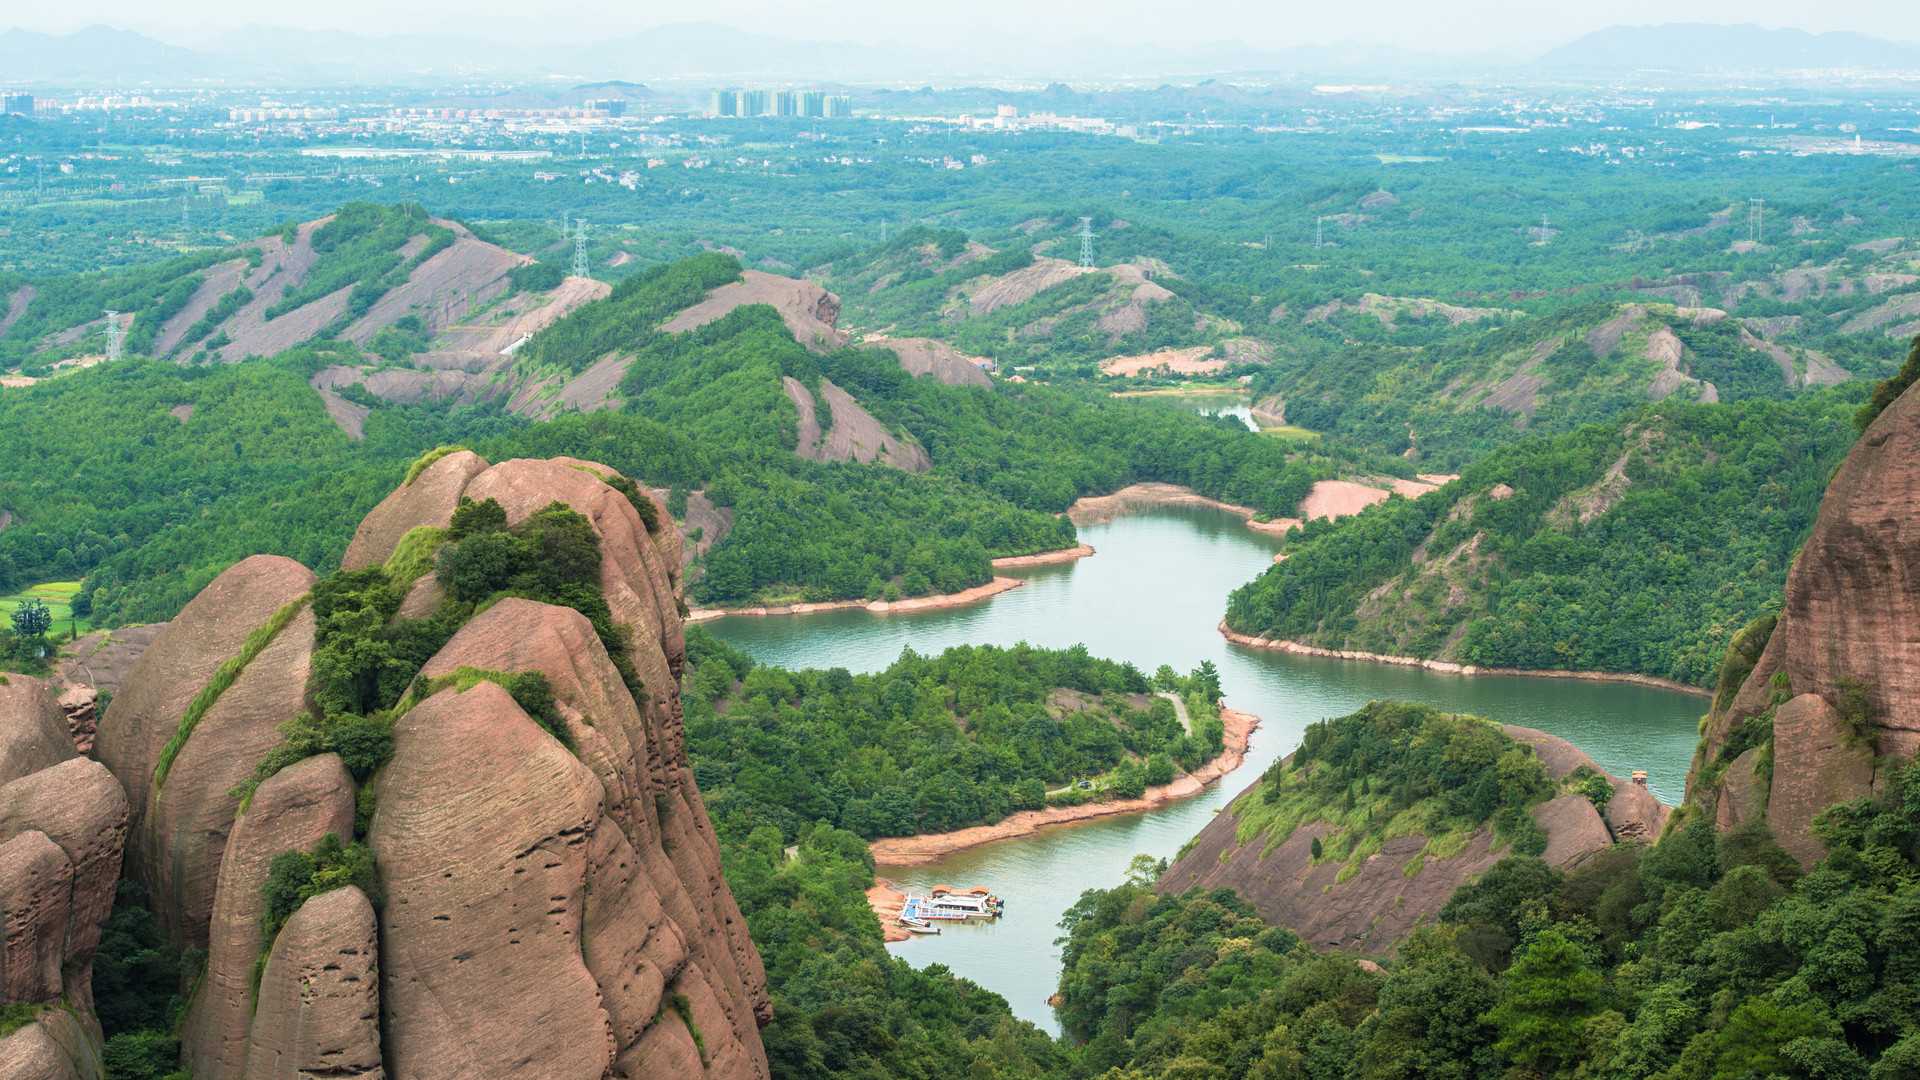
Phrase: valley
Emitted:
{"points": [[529, 595]]}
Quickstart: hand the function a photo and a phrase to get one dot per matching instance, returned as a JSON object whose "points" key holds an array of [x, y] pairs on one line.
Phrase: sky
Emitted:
{"points": [[1516, 27]]}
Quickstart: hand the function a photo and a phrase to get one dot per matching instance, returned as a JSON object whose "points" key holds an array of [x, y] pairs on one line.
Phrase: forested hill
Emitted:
{"points": [[143, 479], [1639, 546], [1464, 391]]}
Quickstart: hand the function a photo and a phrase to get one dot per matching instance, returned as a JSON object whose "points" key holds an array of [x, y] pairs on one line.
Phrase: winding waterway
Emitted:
{"points": [[1154, 595]]}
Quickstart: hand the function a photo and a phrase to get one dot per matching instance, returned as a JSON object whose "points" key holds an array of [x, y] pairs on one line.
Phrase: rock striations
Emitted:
{"points": [[63, 822], [1370, 906], [1806, 704], [547, 909]]}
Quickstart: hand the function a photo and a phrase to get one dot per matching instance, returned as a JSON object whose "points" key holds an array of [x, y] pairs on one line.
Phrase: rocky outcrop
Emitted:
{"points": [[33, 728], [56, 1045], [291, 810], [810, 312], [1400, 887], [62, 828], [1843, 660], [429, 500], [36, 892], [79, 806], [1816, 764], [155, 697], [319, 1012], [551, 907]]}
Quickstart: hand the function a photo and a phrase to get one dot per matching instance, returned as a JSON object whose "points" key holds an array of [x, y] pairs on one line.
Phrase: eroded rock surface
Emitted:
{"points": [[319, 1012], [292, 810], [33, 728], [1398, 888], [548, 911]]}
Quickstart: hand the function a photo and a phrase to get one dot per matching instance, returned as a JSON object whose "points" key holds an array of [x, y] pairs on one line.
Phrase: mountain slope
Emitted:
{"points": [[1639, 546]]}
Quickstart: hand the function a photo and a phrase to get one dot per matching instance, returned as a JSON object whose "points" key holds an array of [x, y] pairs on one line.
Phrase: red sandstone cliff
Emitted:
{"points": [[1375, 907], [548, 913], [1839, 675]]}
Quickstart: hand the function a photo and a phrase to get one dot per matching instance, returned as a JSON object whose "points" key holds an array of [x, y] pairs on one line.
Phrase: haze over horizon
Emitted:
{"points": [[1481, 27]]}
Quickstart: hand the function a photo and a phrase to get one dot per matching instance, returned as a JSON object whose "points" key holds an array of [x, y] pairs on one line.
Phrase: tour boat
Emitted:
{"points": [[950, 905]]}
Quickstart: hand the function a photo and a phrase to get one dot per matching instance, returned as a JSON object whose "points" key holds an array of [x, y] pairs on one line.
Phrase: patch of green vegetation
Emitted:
{"points": [[1398, 769], [420, 464], [15, 1015], [1692, 517], [295, 877], [223, 678], [932, 744]]}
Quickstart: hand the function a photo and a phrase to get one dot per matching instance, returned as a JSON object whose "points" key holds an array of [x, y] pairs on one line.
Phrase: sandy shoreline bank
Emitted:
{"points": [[879, 607], [1100, 509], [1451, 668], [1045, 558], [917, 850]]}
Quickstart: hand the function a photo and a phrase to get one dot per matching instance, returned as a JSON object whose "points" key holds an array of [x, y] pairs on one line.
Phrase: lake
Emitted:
{"points": [[1154, 594]]}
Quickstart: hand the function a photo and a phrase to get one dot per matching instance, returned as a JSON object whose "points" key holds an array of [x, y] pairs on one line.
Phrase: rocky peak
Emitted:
{"points": [[549, 899], [1807, 701]]}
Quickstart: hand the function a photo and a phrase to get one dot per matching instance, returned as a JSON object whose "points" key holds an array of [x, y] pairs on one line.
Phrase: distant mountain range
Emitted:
{"points": [[708, 52]]}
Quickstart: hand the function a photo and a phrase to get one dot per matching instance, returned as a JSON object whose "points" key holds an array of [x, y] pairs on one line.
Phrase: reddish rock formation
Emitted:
{"points": [[1743, 793], [1391, 894], [1846, 638], [319, 1009], [1815, 766], [57, 1045], [80, 705], [548, 913], [36, 893], [429, 500], [154, 698], [291, 810], [80, 807], [33, 728]]}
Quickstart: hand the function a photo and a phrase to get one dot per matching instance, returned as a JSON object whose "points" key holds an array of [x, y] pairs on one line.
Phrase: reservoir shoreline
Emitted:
{"points": [[1451, 668], [904, 851]]}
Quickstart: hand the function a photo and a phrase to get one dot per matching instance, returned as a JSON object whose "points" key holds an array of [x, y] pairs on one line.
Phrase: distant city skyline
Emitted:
{"points": [[1512, 27]]}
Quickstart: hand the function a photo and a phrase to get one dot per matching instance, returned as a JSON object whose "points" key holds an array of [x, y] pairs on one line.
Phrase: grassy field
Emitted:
{"points": [[1288, 431], [57, 595]]}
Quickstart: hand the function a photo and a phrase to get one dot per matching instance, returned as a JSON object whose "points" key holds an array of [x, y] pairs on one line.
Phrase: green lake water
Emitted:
{"points": [[1154, 594]]}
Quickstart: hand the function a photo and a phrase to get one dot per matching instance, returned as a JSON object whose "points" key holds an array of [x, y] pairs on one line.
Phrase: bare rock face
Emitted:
{"points": [[1825, 770], [290, 811], [482, 969], [80, 807], [429, 500], [155, 696], [1399, 888], [1634, 813], [33, 728], [660, 927], [1742, 795], [55, 1046], [36, 893], [547, 913], [319, 995], [1574, 829]]}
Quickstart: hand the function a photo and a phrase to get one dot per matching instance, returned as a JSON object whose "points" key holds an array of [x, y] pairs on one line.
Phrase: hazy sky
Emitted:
{"points": [[1522, 26]]}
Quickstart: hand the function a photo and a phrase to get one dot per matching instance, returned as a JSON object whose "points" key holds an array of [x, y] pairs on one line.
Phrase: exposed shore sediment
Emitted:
{"points": [[1045, 558], [916, 850], [1451, 668], [879, 607]]}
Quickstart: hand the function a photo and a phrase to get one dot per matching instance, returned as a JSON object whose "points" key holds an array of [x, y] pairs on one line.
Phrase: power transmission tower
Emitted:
{"points": [[1544, 234], [883, 230], [1086, 241], [184, 197], [1319, 232], [113, 335], [580, 250], [1756, 210]]}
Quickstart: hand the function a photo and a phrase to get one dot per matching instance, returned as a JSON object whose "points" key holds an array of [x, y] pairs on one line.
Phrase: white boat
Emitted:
{"points": [[923, 929], [946, 905]]}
